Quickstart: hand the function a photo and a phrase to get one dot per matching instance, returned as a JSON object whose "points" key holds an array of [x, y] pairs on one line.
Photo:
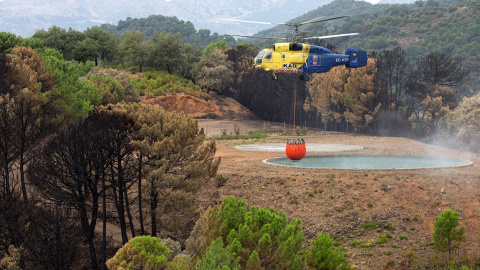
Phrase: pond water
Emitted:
{"points": [[370, 162]]}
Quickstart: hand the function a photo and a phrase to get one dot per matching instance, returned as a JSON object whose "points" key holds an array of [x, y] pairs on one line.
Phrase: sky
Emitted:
{"points": [[372, 1]]}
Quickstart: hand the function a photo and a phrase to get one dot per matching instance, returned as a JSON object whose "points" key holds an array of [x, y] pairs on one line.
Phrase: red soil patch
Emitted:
{"points": [[215, 107]]}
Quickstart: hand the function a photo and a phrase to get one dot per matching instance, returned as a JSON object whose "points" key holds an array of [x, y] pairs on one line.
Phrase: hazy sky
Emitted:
{"points": [[372, 1]]}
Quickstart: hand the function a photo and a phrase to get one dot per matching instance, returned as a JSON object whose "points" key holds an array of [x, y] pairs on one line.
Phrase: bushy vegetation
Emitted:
{"points": [[252, 134], [259, 236], [142, 252], [158, 83], [446, 236], [322, 254], [463, 123]]}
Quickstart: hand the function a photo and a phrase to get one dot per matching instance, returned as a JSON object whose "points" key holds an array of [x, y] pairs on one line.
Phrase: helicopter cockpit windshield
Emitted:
{"points": [[258, 58]]}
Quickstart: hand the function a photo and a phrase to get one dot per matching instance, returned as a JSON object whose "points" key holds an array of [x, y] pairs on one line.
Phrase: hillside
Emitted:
{"points": [[420, 28], [25, 16]]}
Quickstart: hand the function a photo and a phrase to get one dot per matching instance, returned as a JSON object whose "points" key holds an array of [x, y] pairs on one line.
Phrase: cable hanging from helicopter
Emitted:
{"points": [[294, 56]]}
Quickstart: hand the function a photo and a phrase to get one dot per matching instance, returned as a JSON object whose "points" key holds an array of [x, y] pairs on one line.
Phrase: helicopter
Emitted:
{"points": [[294, 56]]}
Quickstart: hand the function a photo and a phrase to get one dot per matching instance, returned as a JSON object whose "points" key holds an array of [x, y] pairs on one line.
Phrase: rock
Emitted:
{"points": [[442, 190], [420, 187]]}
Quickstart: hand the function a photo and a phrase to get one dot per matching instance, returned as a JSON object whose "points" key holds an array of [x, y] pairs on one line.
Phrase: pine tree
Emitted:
{"points": [[175, 163], [446, 236], [142, 252], [266, 240], [322, 255]]}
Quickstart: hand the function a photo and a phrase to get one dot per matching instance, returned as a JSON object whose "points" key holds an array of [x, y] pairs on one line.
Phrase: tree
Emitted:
{"points": [[322, 255], [48, 236], [218, 257], [216, 71], [439, 68], [7, 42], [175, 163], [30, 84], [109, 89], [129, 92], [464, 120], [193, 53], [106, 43], [434, 107], [72, 39], [8, 153], [392, 71], [260, 236], [55, 37], [134, 49], [167, 52], [85, 50], [360, 96], [219, 45], [445, 233], [75, 97], [11, 260], [61, 40], [142, 252], [72, 167]]}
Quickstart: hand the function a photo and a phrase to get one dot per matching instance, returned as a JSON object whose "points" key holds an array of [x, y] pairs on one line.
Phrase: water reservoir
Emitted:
{"points": [[354, 161]]}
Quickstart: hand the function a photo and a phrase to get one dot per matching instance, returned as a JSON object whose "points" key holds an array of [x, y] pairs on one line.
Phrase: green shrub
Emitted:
{"points": [[259, 232], [390, 227], [218, 257], [220, 180], [382, 239], [143, 252], [355, 243], [369, 225], [445, 234], [322, 255], [133, 69], [173, 246]]}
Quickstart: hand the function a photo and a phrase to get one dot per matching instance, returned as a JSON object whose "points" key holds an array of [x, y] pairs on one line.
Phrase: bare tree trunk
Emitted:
{"points": [[153, 211], [140, 208], [22, 182], [118, 200], [129, 215], [88, 232], [104, 225]]}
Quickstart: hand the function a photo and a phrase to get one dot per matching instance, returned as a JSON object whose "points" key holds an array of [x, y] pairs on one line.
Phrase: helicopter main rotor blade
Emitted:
{"points": [[234, 20], [333, 36], [323, 20], [257, 37]]}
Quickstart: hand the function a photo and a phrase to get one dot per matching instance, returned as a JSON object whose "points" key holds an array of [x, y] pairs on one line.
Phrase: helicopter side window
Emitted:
{"points": [[260, 55], [269, 55]]}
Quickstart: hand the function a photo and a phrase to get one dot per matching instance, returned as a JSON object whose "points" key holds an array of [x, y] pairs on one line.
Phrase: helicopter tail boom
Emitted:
{"points": [[358, 58]]}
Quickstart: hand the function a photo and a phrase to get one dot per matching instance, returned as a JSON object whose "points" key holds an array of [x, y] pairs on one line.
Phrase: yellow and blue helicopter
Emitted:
{"points": [[297, 57]]}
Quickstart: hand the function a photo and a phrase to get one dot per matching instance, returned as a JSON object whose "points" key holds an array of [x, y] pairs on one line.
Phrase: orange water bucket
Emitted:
{"points": [[296, 149]]}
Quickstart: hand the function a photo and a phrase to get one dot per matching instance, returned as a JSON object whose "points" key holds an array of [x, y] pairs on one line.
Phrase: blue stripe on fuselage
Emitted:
{"points": [[327, 60]]}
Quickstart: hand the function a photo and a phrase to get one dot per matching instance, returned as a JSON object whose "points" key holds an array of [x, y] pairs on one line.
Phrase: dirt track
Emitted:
{"points": [[340, 201]]}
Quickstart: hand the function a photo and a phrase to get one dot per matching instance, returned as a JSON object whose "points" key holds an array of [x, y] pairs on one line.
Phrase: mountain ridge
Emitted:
{"points": [[24, 17]]}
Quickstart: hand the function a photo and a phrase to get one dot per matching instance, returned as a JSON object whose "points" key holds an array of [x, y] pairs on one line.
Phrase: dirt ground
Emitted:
{"points": [[340, 201], [403, 203]]}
